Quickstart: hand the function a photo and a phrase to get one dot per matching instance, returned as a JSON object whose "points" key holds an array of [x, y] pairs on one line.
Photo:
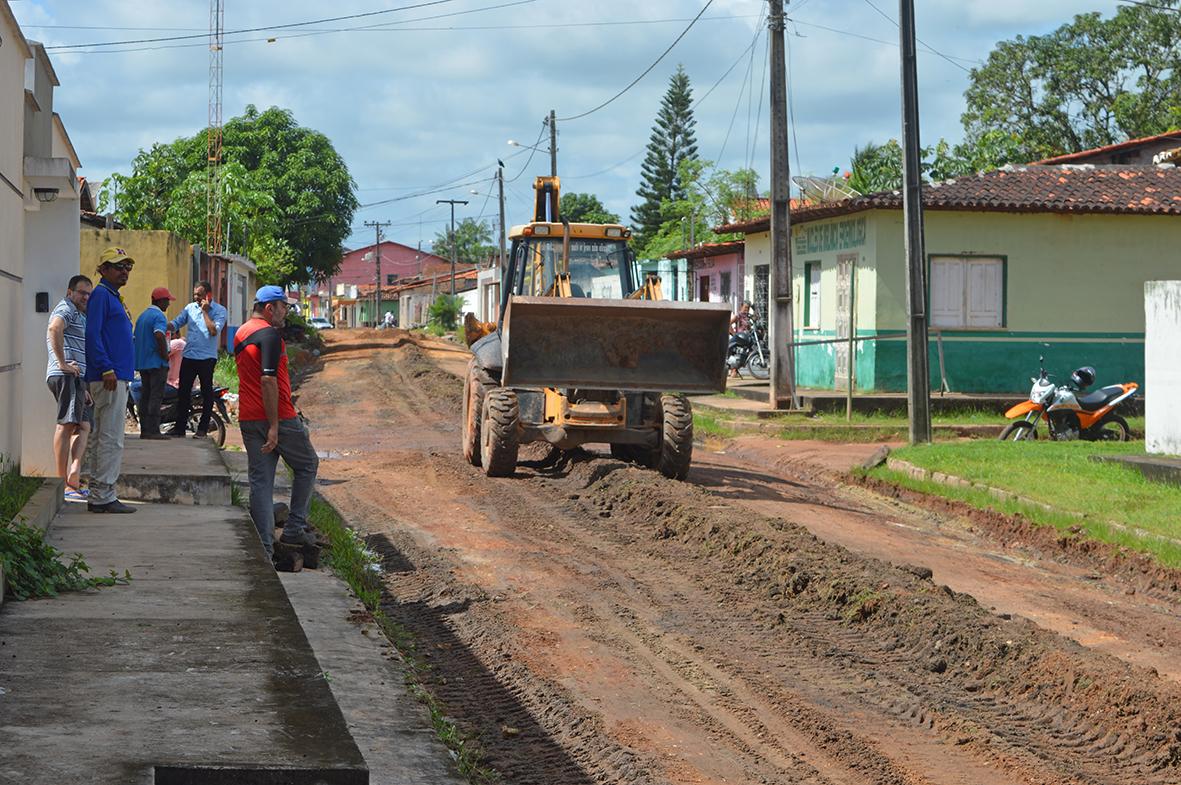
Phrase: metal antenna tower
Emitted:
{"points": [[213, 190]]}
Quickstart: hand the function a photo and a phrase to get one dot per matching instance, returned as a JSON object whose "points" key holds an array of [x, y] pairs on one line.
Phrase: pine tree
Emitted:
{"points": [[672, 142]]}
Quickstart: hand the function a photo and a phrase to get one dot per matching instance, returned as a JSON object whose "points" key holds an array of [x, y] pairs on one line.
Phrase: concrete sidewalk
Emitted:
{"points": [[198, 671]]}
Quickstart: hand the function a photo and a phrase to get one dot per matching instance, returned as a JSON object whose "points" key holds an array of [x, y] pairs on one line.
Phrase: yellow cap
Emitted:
{"points": [[112, 255]]}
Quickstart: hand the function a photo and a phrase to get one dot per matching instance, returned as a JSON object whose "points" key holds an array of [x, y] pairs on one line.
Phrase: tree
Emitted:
{"points": [[713, 197], [672, 143], [586, 208], [878, 167], [286, 193], [473, 242], [1091, 82]]}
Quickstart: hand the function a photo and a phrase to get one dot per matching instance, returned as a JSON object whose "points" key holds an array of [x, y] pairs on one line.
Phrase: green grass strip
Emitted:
{"points": [[1082, 492], [358, 566]]}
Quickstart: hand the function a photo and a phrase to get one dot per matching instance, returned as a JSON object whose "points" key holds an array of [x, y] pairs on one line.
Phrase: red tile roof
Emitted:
{"points": [[1128, 190], [1110, 148], [705, 250]]}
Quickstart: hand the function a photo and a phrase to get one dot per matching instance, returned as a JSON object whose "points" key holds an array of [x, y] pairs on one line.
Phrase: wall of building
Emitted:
{"points": [[161, 259], [1162, 372], [396, 259], [1073, 294], [51, 248], [13, 54]]}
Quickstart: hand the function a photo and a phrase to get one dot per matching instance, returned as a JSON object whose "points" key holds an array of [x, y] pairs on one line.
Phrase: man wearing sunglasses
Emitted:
{"points": [[110, 367]]}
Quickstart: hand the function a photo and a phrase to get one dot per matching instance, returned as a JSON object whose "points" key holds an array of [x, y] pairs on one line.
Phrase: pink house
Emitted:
{"points": [[398, 263], [717, 272]]}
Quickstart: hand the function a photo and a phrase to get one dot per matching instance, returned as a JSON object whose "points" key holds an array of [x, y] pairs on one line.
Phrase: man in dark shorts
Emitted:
{"points": [[271, 428], [66, 340]]}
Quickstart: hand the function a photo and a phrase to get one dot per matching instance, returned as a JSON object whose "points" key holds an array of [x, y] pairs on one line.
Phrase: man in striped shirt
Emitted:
{"points": [[66, 340]]}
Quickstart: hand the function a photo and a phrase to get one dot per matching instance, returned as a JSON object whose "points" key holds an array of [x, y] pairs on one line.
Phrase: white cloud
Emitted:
{"points": [[418, 107]]}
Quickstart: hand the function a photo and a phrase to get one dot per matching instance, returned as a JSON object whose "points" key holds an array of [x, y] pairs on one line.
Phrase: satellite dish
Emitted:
{"points": [[823, 190]]}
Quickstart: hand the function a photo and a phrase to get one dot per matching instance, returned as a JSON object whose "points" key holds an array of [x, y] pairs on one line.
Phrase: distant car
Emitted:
{"points": [[320, 323]]}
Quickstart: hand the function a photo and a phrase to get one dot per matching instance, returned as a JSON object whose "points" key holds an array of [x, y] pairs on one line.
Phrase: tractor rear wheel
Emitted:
{"points": [[676, 437], [499, 433], [475, 386]]}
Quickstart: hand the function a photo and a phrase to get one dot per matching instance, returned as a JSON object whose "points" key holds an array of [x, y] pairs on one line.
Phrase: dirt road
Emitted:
{"points": [[592, 622]]}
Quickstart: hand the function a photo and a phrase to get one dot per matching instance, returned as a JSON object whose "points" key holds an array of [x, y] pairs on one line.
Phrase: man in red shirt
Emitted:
{"points": [[271, 428]]}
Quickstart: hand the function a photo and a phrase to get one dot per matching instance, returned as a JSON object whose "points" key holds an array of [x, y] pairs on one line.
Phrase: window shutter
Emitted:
{"points": [[947, 293], [985, 292]]}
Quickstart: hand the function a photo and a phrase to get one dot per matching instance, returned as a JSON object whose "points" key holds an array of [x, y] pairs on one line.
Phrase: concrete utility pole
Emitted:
{"points": [[918, 376], [452, 202], [780, 322], [377, 227], [553, 143], [500, 189]]}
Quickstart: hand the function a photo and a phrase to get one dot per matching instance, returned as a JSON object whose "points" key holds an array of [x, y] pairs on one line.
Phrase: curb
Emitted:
{"points": [[38, 512], [919, 473]]}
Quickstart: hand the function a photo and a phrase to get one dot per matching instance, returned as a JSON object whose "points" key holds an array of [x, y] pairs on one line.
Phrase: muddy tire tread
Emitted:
{"points": [[499, 437], [676, 443]]}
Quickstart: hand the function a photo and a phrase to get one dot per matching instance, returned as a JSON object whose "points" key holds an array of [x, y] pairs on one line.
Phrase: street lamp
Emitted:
{"points": [[552, 122]]}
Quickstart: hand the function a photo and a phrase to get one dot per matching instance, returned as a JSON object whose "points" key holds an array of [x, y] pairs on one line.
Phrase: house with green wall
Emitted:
{"points": [[1022, 262]]}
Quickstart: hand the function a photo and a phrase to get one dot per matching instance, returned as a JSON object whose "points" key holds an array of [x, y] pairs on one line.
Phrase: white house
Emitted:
{"points": [[39, 241]]}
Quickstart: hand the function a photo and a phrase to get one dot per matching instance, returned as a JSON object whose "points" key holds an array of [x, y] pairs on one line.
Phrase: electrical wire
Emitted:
{"points": [[646, 71], [253, 29], [892, 21], [759, 114], [80, 48], [791, 109], [532, 152], [759, 29]]}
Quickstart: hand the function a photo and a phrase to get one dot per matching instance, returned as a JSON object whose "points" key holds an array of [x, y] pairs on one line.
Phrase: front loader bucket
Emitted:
{"points": [[650, 345]]}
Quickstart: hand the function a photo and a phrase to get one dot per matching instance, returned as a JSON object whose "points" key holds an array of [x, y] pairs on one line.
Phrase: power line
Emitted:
{"points": [[384, 27], [738, 104], [894, 22], [646, 71], [791, 109], [532, 152], [759, 114]]}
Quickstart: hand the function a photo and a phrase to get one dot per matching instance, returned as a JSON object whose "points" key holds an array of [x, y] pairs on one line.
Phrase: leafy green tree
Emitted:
{"points": [[285, 186], [672, 142], [443, 313], [876, 168], [587, 209], [473, 242], [1091, 82], [712, 197]]}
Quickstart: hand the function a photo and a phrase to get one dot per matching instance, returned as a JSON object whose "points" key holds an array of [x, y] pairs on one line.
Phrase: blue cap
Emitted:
{"points": [[272, 294]]}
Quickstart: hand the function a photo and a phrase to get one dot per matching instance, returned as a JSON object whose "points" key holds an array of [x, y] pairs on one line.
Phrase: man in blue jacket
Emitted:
{"points": [[110, 367], [205, 319]]}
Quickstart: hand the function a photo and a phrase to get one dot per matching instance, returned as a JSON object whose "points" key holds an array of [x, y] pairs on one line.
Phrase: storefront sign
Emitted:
{"points": [[838, 236]]}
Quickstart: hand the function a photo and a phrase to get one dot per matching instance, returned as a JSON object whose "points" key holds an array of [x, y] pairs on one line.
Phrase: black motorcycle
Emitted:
{"points": [[218, 418], [748, 349]]}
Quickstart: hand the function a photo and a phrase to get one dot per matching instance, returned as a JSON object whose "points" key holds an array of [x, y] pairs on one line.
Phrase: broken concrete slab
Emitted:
{"points": [[173, 471]]}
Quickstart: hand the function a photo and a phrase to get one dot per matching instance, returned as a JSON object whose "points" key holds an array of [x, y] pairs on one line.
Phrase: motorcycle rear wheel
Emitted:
{"points": [[1018, 431], [758, 367], [1112, 428], [217, 427]]}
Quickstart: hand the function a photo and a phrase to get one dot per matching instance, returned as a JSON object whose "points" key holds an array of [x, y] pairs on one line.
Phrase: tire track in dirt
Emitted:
{"points": [[692, 614]]}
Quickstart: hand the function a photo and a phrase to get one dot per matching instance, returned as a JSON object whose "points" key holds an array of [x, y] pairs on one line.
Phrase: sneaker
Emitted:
{"points": [[200, 435], [76, 495], [302, 539], [116, 507]]}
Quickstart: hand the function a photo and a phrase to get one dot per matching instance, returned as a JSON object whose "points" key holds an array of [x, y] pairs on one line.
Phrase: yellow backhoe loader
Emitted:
{"points": [[584, 351]]}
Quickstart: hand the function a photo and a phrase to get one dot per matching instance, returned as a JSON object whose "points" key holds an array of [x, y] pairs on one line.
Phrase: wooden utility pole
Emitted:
{"points": [[918, 375], [377, 227], [783, 388], [553, 143], [500, 193], [452, 202]]}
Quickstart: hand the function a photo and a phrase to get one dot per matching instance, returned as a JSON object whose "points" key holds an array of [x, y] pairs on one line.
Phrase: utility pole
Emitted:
{"points": [[452, 202], [918, 376], [553, 143], [783, 388], [377, 227], [500, 189]]}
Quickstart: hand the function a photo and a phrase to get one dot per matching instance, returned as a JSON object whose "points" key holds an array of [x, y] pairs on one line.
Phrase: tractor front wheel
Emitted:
{"points": [[676, 437], [500, 433], [475, 386]]}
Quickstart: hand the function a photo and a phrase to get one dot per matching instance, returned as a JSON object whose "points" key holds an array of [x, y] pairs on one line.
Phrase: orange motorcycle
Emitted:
{"points": [[1069, 413]]}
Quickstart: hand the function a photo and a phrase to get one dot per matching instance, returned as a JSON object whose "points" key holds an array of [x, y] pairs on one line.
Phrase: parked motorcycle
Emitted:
{"points": [[748, 350], [218, 418], [1069, 413]]}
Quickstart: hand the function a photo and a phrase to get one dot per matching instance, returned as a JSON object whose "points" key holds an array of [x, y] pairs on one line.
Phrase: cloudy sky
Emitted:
{"points": [[424, 98]]}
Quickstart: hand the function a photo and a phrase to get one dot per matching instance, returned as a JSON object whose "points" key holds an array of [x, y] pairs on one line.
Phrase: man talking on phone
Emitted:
{"points": [[205, 319]]}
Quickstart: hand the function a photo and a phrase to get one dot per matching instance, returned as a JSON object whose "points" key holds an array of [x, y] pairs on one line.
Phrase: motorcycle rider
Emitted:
{"points": [[740, 323]]}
